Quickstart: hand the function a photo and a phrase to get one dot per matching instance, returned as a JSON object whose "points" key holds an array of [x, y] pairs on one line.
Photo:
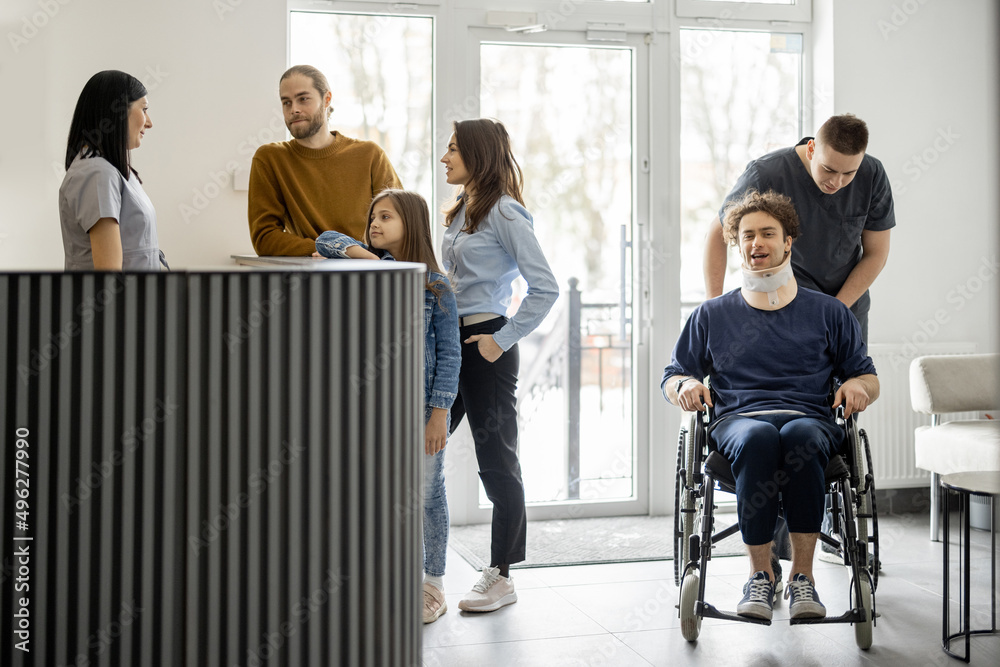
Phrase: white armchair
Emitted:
{"points": [[941, 384]]}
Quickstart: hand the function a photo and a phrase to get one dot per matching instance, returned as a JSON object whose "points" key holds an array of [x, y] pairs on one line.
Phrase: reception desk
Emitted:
{"points": [[212, 467]]}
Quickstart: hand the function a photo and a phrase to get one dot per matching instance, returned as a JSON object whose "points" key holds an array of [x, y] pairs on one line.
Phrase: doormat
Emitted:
{"points": [[622, 539]]}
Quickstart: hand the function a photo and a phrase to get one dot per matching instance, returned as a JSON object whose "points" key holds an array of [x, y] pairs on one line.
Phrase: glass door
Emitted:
{"points": [[570, 107], [381, 73]]}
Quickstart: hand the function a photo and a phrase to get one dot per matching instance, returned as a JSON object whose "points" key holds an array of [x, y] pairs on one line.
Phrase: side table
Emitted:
{"points": [[965, 485]]}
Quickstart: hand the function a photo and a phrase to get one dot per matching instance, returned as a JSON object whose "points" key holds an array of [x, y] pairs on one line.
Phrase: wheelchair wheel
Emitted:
{"points": [[868, 507], [863, 631], [690, 622], [684, 502], [678, 495], [865, 511]]}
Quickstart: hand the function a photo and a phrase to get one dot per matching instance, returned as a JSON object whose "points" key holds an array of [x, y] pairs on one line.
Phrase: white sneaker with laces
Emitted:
{"points": [[491, 592]]}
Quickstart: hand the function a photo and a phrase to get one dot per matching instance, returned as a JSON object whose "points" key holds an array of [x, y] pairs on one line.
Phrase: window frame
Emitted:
{"points": [[799, 11], [642, 479]]}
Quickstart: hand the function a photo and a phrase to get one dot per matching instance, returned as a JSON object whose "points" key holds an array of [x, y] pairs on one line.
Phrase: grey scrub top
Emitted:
{"points": [[94, 189], [829, 243]]}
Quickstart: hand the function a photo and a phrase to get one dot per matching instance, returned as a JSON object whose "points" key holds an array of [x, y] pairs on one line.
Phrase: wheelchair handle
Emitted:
{"points": [[840, 416]]}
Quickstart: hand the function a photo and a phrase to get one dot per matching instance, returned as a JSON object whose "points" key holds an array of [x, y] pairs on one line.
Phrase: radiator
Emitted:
{"points": [[890, 421], [224, 467]]}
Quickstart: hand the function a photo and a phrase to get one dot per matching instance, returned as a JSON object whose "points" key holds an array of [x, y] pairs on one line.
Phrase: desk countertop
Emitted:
{"points": [[323, 264]]}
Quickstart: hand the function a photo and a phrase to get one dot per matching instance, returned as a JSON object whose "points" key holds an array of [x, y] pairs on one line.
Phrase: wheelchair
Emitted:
{"points": [[702, 470]]}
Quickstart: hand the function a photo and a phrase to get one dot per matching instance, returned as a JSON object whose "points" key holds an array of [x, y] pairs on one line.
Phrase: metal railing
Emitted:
{"points": [[560, 365]]}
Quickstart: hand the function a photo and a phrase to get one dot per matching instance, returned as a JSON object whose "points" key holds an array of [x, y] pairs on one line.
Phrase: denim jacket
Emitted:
{"points": [[442, 351]]}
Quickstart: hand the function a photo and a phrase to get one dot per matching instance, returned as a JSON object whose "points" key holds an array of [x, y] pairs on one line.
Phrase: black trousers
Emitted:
{"points": [[486, 395]]}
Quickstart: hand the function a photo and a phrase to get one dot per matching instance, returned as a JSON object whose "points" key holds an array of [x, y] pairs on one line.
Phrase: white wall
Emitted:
{"points": [[923, 74], [212, 78]]}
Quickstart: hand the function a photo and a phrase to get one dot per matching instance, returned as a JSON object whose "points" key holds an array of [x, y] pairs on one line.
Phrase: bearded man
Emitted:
{"points": [[319, 181]]}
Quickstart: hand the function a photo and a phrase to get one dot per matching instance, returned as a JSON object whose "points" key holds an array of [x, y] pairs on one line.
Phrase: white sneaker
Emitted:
{"points": [[491, 592]]}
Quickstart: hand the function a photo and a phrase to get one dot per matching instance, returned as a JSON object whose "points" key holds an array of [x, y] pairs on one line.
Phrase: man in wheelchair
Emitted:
{"points": [[772, 351]]}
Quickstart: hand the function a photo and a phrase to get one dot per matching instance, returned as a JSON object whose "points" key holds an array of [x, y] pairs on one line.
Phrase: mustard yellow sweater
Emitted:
{"points": [[297, 193]]}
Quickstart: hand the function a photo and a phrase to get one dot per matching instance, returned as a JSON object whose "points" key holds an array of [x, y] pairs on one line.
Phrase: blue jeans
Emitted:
{"points": [[436, 518], [776, 454]]}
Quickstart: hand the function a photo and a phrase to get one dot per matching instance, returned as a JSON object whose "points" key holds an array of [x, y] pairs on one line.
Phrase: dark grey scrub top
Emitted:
{"points": [[94, 189], [829, 243]]}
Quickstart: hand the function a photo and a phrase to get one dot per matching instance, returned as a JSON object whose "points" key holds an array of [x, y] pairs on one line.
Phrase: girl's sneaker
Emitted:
{"points": [[434, 604]]}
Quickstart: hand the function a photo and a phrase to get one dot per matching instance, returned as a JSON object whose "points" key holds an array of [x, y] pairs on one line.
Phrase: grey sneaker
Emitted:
{"points": [[805, 602], [776, 567], [826, 552], [491, 592], [758, 597]]}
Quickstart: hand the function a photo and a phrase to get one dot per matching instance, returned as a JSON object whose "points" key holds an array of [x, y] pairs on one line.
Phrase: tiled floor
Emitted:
{"points": [[623, 614]]}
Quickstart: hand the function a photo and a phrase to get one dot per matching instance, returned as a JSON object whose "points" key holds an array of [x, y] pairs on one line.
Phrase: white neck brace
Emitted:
{"points": [[770, 289]]}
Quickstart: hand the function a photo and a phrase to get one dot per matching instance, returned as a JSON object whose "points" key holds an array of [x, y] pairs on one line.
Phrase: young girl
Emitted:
{"points": [[399, 228], [489, 241], [108, 222]]}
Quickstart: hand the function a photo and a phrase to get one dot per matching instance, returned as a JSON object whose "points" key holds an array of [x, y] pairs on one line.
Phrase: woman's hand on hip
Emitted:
{"points": [[488, 347]]}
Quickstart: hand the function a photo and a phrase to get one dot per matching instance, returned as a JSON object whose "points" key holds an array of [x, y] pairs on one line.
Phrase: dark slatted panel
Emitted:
{"points": [[225, 467], [91, 367]]}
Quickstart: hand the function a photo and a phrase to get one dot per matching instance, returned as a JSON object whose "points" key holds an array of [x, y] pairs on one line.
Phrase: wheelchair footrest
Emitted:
{"points": [[852, 616], [705, 610]]}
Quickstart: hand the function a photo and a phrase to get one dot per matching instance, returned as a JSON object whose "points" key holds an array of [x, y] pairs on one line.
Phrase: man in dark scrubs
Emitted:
{"points": [[844, 203]]}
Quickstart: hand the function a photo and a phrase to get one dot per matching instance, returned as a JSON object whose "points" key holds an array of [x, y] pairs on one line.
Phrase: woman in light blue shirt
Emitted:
{"points": [[489, 241], [108, 222]]}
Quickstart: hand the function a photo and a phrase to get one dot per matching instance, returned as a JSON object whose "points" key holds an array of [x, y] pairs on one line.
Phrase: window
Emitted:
{"points": [[381, 76], [740, 99], [579, 98]]}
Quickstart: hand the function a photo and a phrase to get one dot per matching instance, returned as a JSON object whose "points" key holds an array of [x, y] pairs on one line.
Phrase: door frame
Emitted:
{"points": [[463, 480]]}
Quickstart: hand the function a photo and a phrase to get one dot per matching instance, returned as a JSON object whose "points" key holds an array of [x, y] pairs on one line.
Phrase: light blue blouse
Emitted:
{"points": [[483, 265]]}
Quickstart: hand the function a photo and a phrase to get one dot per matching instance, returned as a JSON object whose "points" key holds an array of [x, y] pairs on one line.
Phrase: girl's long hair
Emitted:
{"points": [[417, 243], [485, 149], [100, 121]]}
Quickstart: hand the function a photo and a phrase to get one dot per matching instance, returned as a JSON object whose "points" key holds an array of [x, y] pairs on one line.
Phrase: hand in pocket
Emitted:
{"points": [[488, 347]]}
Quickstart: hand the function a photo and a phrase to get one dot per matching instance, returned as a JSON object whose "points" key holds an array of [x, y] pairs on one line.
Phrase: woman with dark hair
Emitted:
{"points": [[489, 241], [108, 222]]}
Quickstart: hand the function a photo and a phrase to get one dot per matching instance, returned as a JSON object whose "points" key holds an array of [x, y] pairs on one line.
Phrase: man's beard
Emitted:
{"points": [[316, 123]]}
